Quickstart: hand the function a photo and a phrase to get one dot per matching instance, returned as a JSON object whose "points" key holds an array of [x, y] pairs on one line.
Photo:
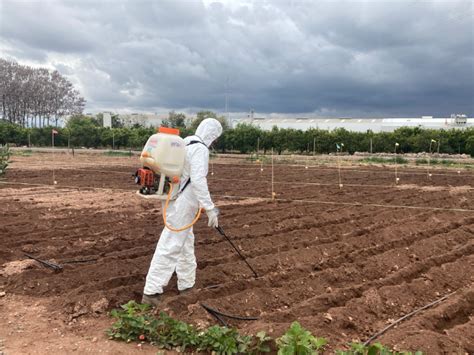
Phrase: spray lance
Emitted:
{"points": [[221, 232]]}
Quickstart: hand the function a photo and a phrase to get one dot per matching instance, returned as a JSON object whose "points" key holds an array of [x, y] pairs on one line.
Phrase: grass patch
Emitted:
{"points": [[445, 162], [379, 160], [258, 158], [22, 153], [118, 153], [422, 161]]}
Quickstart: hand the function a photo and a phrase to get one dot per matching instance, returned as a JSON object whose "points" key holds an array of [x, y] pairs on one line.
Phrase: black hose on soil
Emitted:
{"points": [[218, 315], [375, 336], [53, 266]]}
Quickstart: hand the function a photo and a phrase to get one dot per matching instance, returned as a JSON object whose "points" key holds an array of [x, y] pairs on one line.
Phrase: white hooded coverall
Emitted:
{"points": [[175, 250]]}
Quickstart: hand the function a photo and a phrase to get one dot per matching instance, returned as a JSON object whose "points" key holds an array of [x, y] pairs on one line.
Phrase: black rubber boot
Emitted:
{"points": [[152, 300]]}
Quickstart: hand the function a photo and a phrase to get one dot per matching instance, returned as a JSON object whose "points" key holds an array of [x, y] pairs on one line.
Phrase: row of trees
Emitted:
{"points": [[36, 96], [82, 131]]}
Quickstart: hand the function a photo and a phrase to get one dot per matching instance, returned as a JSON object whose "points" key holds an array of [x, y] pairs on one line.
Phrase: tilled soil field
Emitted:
{"points": [[345, 262]]}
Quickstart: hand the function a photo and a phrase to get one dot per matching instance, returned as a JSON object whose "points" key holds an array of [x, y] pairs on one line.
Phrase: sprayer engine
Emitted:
{"points": [[150, 182]]}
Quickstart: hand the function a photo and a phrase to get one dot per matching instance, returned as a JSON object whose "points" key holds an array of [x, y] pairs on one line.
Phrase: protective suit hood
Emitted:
{"points": [[209, 130]]}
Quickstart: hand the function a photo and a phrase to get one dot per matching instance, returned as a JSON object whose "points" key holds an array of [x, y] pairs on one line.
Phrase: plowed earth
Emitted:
{"points": [[345, 262]]}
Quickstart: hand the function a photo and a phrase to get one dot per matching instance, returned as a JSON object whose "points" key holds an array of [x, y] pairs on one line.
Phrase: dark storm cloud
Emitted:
{"points": [[327, 57]]}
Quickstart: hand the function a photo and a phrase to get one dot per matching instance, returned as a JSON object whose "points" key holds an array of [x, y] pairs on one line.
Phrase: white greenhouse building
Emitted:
{"points": [[361, 124]]}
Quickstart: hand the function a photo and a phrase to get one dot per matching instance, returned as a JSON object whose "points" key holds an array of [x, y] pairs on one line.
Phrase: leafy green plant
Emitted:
{"points": [[299, 341], [223, 340], [261, 343], [135, 322], [4, 158], [174, 334], [372, 349]]}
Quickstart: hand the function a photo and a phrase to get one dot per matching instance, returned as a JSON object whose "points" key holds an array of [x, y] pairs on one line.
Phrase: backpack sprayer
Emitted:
{"points": [[163, 163]]}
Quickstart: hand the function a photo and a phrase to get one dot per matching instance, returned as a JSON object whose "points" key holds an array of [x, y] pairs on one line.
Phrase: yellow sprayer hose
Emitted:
{"points": [[168, 198]]}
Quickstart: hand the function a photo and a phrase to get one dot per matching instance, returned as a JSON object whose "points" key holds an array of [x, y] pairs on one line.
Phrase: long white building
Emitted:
{"points": [[361, 124]]}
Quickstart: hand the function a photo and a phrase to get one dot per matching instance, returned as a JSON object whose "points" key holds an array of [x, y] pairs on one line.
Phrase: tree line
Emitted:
{"points": [[36, 97], [84, 131]]}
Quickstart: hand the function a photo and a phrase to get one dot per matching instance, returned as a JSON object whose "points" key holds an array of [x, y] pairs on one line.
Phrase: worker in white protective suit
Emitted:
{"points": [[175, 250]]}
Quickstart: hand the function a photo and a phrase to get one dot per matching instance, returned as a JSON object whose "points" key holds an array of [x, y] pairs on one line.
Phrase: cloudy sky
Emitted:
{"points": [[317, 58]]}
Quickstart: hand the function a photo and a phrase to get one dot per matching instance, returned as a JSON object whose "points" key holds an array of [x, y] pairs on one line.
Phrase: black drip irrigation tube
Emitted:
{"points": [[58, 267], [391, 325], [53, 266], [80, 261], [218, 315]]}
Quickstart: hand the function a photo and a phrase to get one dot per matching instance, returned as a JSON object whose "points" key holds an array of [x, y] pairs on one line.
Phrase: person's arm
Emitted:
{"points": [[199, 166]]}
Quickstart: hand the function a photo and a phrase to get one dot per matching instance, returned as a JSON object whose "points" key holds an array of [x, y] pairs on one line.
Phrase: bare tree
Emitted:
{"points": [[36, 96]]}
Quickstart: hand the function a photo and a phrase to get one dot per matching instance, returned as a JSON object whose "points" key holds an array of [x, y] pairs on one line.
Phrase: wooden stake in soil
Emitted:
{"points": [[307, 158], [53, 133], [429, 159], [339, 149], [396, 165], [273, 180]]}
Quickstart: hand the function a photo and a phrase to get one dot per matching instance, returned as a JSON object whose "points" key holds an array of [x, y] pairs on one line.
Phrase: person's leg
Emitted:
{"points": [[164, 261], [186, 266], [168, 250]]}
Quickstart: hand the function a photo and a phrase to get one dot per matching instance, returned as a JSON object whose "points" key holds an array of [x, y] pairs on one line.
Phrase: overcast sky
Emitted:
{"points": [[317, 58]]}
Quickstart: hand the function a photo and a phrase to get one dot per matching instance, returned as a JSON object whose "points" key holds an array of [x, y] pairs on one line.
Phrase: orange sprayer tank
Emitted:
{"points": [[164, 154]]}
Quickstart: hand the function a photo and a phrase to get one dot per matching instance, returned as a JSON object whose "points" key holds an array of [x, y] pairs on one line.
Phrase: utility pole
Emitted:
{"points": [[314, 146], [370, 145]]}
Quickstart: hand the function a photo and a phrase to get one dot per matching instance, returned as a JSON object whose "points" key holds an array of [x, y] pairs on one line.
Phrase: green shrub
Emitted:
{"points": [[421, 161], [299, 341], [380, 160], [4, 158]]}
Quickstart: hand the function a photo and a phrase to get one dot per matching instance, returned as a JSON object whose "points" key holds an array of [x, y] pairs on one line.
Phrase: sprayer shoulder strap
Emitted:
{"points": [[196, 142], [189, 179]]}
